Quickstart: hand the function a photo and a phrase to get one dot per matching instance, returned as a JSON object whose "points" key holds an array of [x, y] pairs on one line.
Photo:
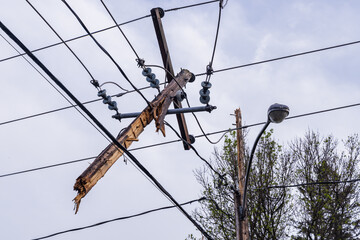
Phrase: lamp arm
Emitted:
{"points": [[242, 209]]}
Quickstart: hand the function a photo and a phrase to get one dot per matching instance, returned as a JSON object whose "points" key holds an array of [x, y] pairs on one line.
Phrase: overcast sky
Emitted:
{"points": [[40, 203]]}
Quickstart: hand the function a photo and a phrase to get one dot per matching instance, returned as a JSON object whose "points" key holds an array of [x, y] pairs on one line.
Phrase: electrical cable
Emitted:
{"points": [[209, 67], [111, 82], [103, 29], [133, 49], [42, 75], [76, 38], [224, 132], [68, 107], [104, 130], [281, 58], [119, 218], [105, 51], [45, 167], [311, 183], [61, 39], [194, 149], [189, 6]]}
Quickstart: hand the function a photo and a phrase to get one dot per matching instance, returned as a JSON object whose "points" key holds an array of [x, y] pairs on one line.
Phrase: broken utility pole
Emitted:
{"points": [[157, 14], [242, 228], [156, 111]]}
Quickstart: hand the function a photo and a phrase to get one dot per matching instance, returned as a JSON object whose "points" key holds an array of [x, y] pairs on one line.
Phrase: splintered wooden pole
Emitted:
{"points": [[156, 111]]}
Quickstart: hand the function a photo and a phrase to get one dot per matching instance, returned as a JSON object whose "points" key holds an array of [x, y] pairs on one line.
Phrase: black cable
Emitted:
{"points": [[68, 107], [198, 136], [45, 167], [281, 58], [201, 128], [311, 183], [209, 67], [41, 74], [105, 131], [193, 5], [103, 29], [194, 149], [118, 219], [61, 39], [105, 51], [75, 38], [133, 49]]}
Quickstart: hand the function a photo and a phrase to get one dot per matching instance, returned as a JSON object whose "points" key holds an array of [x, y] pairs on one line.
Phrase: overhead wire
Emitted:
{"points": [[119, 218], [281, 58], [103, 29], [104, 130], [224, 132], [114, 20], [193, 148], [189, 6], [209, 68], [310, 184], [105, 51], [68, 107], [61, 39], [76, 38], [51, 84]]}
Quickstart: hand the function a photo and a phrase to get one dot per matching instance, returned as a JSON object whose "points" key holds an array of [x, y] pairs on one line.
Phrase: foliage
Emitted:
{"points": [[269, 209], [327, 211], [326, 205], [271, 167]]}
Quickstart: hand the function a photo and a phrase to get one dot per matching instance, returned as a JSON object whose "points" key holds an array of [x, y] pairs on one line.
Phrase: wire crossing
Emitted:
{"points": [[105, 131], [224, 132]]}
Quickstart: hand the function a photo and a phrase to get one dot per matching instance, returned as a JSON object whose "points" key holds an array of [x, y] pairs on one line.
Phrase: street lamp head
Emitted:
{"points": [[278, 112]]}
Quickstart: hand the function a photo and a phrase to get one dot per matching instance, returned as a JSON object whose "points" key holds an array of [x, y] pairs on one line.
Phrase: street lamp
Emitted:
{"points": [[276, 114]]}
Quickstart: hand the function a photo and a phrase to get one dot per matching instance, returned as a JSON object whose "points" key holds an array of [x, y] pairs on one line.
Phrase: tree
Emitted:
{"points": [[270, 209], [271, 166], [327, 211], [326, 205]]}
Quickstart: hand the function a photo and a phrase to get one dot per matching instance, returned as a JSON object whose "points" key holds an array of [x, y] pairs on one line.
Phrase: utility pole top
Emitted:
{"points": [[157, 14]]}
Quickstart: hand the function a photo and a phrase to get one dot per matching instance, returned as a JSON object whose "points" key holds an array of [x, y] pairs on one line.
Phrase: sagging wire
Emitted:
{"points": [[119, 218], [222, 176]]}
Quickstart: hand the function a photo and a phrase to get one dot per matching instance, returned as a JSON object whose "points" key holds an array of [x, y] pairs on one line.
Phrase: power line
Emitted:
{"points": [[312, 183], [47, 80], [178, 140], [119, 218], [45, 167], [133, 49], [64, 108], [103, 29], [75, 38], [62, 40], [189, 6], [105, 51], [281, 58], [209, 67], [105, 131], [194, 149]]}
